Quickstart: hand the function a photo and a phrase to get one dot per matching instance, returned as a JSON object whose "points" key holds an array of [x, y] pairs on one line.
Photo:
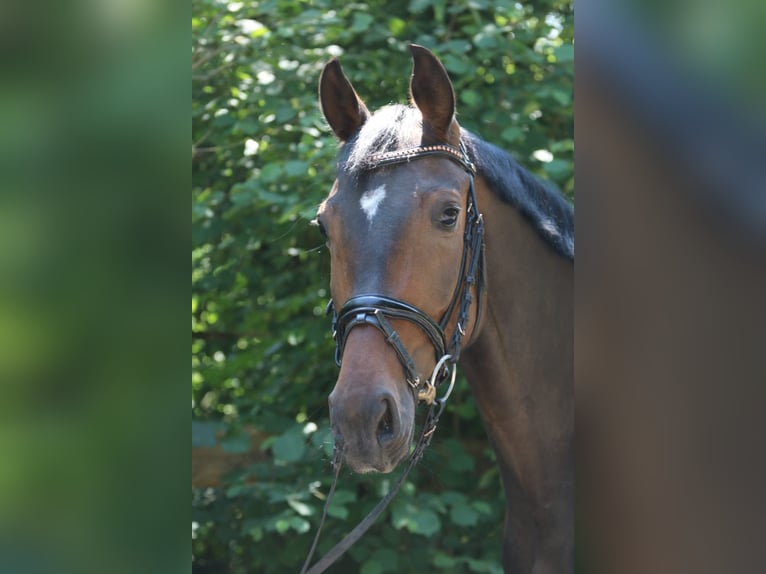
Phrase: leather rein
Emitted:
{"points": [[376, 310]]}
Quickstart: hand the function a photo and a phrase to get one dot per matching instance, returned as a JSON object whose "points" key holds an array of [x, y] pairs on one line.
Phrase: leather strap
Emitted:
{"points": [[432, 419], [457, 155], [372, 310]]}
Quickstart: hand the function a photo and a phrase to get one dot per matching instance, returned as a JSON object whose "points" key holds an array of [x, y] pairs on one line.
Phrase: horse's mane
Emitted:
{"points": [[547, 209], [397, 126]]}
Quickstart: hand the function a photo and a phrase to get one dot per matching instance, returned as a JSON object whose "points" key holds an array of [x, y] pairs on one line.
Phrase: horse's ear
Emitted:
{"points": [[431, 91], [342, 108]]}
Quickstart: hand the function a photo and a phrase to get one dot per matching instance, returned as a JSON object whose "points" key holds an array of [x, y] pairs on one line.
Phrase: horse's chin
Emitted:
{"points": [[383, 460], [367, 469], [383, 467], [372, 418]]}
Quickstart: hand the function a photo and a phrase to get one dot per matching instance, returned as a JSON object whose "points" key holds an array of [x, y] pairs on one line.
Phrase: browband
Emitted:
{"points": [[444, 150]]}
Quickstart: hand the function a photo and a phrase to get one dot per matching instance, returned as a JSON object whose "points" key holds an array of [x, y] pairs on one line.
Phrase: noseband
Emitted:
{"points": [[376, 310]]}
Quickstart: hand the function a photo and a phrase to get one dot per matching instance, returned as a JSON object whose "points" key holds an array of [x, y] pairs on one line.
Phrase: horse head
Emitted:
{"points": [[396, 231]]}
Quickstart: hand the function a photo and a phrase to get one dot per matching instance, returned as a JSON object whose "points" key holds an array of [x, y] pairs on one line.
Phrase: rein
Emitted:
{"points": [[432, 418], [376, 310]]}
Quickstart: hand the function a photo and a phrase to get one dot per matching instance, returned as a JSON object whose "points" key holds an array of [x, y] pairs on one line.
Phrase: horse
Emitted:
{"points": [[413, 291]]}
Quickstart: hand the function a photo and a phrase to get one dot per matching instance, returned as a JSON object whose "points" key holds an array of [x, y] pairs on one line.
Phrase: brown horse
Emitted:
{"points": [[412, 288]]}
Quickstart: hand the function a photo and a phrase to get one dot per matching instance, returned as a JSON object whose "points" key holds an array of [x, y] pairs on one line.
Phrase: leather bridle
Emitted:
{"points": [[376, 310]]}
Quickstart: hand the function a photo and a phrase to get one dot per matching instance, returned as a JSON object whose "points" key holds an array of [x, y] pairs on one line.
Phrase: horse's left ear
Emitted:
{"points": [[431, 91]]}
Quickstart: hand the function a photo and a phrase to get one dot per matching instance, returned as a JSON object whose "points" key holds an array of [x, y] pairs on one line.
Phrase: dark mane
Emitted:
{"points": [[396, 127], [547, 209]]}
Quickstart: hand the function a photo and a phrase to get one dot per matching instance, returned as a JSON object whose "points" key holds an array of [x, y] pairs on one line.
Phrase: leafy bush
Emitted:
{"points": [[262, 160]]}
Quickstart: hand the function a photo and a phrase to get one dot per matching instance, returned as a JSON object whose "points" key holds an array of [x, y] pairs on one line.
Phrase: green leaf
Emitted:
{"points": [[234, 490], [344, 497], [340, 512], [557, 168], [564, 53], [442, 560], [300, 507], [470, 97], [417, 6], [451, 497], [290, 446], [482, 507], [256, 533], [269, 197], [238, 443], [396, 26], [223, 119], [456, 65], [362, 22], [464, 515], [512, 134], [248, 126], [282, 525], [387, 558], [461, 462], [295, 168], [485, 41], [204, 433], [562, 97], [424, 522], [322, 438], [480, 565], [271, 172], [242, 195], [371, 567], [457, 46], [285, 113], [299, 524], [491, 476]]}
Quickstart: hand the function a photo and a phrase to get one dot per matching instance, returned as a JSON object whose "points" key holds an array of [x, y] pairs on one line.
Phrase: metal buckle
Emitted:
{"points": [[428, 393]]}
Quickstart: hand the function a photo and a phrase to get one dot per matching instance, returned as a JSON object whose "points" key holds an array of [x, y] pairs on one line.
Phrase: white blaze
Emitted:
{"points": [[370, 201]]}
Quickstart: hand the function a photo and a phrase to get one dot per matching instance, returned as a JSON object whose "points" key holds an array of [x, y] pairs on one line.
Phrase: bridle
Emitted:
{"points": [[376, 310]]}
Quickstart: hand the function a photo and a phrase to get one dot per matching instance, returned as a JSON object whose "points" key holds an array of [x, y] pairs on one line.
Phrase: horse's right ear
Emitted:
{"points": [[342, 108]]}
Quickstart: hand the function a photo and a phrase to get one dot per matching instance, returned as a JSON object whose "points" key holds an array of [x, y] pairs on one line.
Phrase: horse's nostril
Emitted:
{"points": [[386, 424]]}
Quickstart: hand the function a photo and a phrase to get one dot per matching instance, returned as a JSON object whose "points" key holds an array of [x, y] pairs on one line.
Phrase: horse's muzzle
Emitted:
{"points": [[369, 426]]}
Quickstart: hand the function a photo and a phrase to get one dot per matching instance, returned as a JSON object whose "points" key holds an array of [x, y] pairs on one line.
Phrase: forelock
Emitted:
{"points": [[390, 128]]}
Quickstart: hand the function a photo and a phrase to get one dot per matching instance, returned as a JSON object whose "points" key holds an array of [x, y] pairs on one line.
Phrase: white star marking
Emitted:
{"points": [[370, 201]]}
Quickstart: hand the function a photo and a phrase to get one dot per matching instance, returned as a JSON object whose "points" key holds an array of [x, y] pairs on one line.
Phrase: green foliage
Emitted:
{"points": [[261, 350]]}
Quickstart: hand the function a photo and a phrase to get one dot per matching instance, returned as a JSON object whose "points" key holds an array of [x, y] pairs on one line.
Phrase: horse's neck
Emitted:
{"points": [[521, 373]]}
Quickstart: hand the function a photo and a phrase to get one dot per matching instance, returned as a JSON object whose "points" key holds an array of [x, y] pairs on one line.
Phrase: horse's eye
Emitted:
{"points": [[449, 216]]}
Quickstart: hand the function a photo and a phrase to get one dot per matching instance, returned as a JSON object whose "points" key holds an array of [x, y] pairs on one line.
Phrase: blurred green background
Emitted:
{"points": [[93, 287], [262, 355]]}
